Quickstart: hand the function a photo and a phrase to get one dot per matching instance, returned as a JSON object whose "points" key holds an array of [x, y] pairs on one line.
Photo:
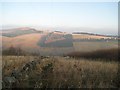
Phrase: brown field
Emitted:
{"points": [[86, 36], [23, 41], [29, 42], [94, 45], [50, 51], [62, 72]]}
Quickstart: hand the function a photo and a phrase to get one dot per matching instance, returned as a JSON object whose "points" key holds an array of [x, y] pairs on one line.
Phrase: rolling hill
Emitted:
{"points": [[19, 31], [47, 43], [32, 40]]}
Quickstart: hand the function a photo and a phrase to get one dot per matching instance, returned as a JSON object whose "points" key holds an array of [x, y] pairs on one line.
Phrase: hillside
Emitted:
{"points": [[88, 36], [23, 41], [42, 42], [54, 42], [55, 39], [19, 31]]}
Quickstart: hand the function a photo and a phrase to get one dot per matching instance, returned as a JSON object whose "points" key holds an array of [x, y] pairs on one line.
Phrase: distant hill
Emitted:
{"points": [[19, 31], [32, 40], [56, 39], [45, 42], [85, 35]]}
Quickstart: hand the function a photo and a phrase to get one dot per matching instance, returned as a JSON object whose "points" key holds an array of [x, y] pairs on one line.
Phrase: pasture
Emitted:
{"points": [[92, 45]]}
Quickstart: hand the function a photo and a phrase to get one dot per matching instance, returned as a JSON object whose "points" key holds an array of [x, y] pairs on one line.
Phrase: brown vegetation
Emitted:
{"points": [[88, 36], [17, 51], [13, 51], [109, 54], [60, 72]]}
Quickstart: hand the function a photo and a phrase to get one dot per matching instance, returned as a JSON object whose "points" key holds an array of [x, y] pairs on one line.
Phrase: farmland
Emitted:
{"points": [[33, 59], [90, 45], [55, 42]]}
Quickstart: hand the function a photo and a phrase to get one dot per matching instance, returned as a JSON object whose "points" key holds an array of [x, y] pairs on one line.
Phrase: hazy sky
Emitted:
{"points": [[97, 15]]}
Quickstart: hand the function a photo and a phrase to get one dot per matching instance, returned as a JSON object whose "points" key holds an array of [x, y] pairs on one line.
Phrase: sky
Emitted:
{"points": [[98, 17]]}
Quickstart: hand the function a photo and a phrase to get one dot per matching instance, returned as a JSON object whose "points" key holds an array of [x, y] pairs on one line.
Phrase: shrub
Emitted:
{"points": [[109, 54]]}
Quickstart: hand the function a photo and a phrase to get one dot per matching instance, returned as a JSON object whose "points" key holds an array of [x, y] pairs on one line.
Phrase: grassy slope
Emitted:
{"points": [[94, 45], [85, 36], [79, 73], [20, 32], [23, 41], [30, 42]]}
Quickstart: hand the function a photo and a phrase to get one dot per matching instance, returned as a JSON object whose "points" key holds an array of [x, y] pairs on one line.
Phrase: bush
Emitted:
{"points": [[111, 54], [13, 51]]}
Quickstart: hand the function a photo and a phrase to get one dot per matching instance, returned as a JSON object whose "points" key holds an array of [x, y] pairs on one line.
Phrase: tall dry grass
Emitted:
{"points": [[60, 72], [10, 63]]}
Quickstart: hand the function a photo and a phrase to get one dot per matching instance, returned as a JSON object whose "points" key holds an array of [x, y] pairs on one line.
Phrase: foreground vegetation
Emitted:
{"points": [[59, 72]]}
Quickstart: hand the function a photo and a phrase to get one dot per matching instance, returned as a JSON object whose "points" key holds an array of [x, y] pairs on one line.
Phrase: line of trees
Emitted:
{"points": [[108, 54], [13, 51], [17, 51]]}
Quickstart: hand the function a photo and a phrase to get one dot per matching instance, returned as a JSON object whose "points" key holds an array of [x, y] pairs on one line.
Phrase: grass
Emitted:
{"points": [[94, 45], [11, 62], [61, 72], [86, 36]]}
